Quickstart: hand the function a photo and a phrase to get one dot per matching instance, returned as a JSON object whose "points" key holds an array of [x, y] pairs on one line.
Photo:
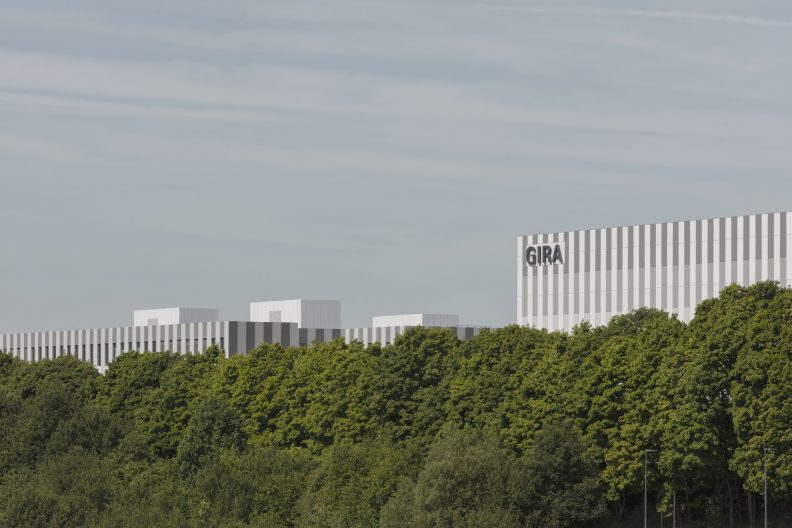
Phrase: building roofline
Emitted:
{"points": [[651, 223]]}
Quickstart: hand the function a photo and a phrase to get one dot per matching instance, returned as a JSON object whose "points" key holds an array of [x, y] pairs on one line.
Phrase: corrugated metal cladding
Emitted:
{"points": [[386, 335], [671, 266], [100, 346]]}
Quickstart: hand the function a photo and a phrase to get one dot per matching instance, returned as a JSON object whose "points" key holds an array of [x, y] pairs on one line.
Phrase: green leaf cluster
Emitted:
{"points": [[516, 427]]}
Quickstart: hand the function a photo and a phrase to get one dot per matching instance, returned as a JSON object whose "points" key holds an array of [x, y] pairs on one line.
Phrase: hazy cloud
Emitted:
{"points": [[383, 153], [681, 15]]}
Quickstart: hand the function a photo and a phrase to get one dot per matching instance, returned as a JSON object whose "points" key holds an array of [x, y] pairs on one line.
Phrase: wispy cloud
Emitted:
{"points": [[640, 13], [412, 135]]}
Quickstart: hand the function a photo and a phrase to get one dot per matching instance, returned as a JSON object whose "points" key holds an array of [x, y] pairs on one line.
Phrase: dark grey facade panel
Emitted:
{"points": [[608, 267], [619, 269], [587, 255], [545, 289], [233, 339], [268, 334], [699, 284], [676, 243], [577, 270], [630, 298], [722, 240], [733, 240], [710, 241], [641, 266], [250, 338], [286, 340], [710, 256], [663, 264], [746, 249], [587, 274], [597, 250], [607, 249], [566, 273], [535, 289], [597, 268], [554, 270]]}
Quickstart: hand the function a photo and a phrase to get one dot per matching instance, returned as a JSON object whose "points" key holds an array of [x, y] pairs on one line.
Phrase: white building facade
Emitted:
{"points": [[297, 322], [569, 277], [100, 346], [307, 313], [174, 316], [418, 319]]}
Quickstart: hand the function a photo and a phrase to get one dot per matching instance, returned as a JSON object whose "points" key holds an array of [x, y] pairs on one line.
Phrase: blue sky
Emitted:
{"points": [[386, 154]]}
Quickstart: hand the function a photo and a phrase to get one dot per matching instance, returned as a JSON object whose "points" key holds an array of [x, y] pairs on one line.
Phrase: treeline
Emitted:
{"points": [[517, 427]]}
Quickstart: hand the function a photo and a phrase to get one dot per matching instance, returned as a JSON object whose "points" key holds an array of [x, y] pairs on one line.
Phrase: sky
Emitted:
{"points": [[386, 154]]}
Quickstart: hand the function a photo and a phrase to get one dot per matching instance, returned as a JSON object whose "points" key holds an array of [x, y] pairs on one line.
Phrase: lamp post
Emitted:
{"points": [[766, 450], [646, 472]]}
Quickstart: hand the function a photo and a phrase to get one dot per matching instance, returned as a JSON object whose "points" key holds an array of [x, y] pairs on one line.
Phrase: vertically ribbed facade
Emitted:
{"points": [[101, 346], [594, 274]]}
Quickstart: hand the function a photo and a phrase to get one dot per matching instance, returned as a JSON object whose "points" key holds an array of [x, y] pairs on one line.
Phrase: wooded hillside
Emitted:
{"points": [[516, 427]]}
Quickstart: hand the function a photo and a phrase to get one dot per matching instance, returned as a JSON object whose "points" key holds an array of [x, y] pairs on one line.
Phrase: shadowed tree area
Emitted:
{"points": [[516, 427]]}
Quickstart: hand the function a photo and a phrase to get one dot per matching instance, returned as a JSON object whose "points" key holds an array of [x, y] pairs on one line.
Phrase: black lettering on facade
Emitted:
{"points": [[544, 255], [530, 256], [547, 255], [558, 258]]}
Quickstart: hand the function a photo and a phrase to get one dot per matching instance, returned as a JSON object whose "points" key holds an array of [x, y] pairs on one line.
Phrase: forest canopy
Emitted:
{"points": [[516, 427]]}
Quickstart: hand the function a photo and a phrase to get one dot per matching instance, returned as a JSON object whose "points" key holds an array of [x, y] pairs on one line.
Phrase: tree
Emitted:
{"points": [[10, 410], [260, 486], [516, 427], [762, 397], [411, 383], [166, 408], [490, 389], [9, 366], [79, 377], [130, 377], [563, 489], [52, 403], [243, 379], [214, 426], [90, 427], [153, 496], [71, 490], [316, 396], [466, 480], [352, 483]]}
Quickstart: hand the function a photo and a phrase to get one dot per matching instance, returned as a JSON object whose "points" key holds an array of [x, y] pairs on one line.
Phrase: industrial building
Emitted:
{"points": [[297, 322], [565, 278]]}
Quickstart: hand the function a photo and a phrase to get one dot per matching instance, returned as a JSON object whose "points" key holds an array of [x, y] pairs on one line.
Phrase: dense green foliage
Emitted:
{"points": [[517, 427]]}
